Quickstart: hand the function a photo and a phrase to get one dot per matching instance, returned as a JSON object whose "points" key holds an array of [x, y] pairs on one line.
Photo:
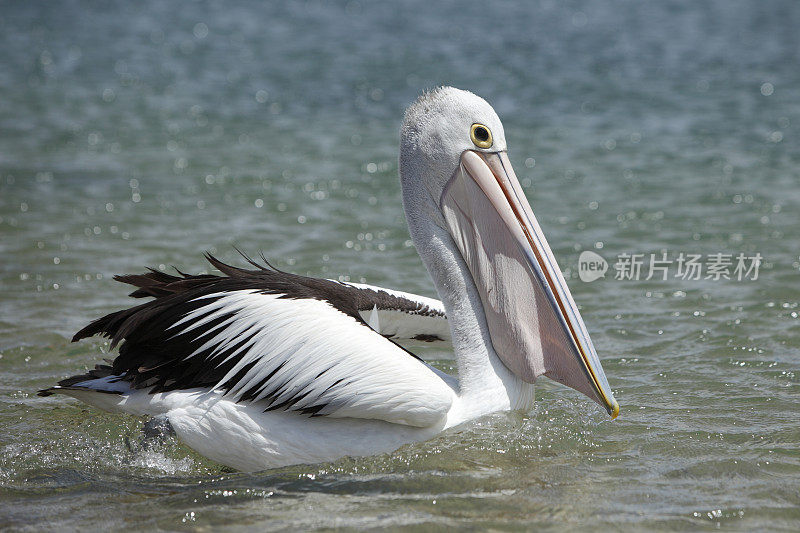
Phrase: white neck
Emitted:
{"points": [[485, 384]]}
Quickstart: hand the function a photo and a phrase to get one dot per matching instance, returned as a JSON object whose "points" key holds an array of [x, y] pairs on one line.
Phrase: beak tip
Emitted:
{"points": [[613, 409]]}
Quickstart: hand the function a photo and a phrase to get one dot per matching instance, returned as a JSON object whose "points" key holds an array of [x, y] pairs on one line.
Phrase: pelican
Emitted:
{"points": [[258, 368]]}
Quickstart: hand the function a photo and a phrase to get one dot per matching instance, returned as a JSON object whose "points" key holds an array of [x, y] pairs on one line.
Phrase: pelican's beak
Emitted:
{"points": [[533, 321]]}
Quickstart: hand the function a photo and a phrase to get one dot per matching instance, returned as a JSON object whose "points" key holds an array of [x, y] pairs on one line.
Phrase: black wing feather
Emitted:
{"points": [[154, 357]]}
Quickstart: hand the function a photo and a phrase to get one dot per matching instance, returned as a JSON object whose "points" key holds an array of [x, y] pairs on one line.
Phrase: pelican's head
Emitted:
{"points": [[456, 174]]}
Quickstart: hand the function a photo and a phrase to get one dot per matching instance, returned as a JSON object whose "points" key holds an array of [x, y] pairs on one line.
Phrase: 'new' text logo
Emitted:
{"points": [[591, 266]]}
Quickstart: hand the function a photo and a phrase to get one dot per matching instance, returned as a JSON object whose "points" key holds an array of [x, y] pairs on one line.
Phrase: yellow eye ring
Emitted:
{"points": [[481, 136]]}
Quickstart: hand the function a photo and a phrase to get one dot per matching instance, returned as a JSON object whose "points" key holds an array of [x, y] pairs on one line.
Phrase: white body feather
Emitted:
{"points": [[354, 373], [389, 399], [244, 437]]}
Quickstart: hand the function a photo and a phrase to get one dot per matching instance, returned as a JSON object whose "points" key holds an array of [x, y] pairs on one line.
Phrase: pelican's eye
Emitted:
{"points": [[481, 136]]}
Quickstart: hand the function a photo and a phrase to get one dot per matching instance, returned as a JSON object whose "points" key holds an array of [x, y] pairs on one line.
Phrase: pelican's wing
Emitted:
{"points": [[273, 339], [402, 316]]}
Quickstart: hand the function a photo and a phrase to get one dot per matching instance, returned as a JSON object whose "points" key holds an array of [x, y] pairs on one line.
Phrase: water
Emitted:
{"points": [[145, 133]]}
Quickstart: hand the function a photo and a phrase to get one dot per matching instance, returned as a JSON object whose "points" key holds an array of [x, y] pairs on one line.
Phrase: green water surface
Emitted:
{"points": [[138, 134]]}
